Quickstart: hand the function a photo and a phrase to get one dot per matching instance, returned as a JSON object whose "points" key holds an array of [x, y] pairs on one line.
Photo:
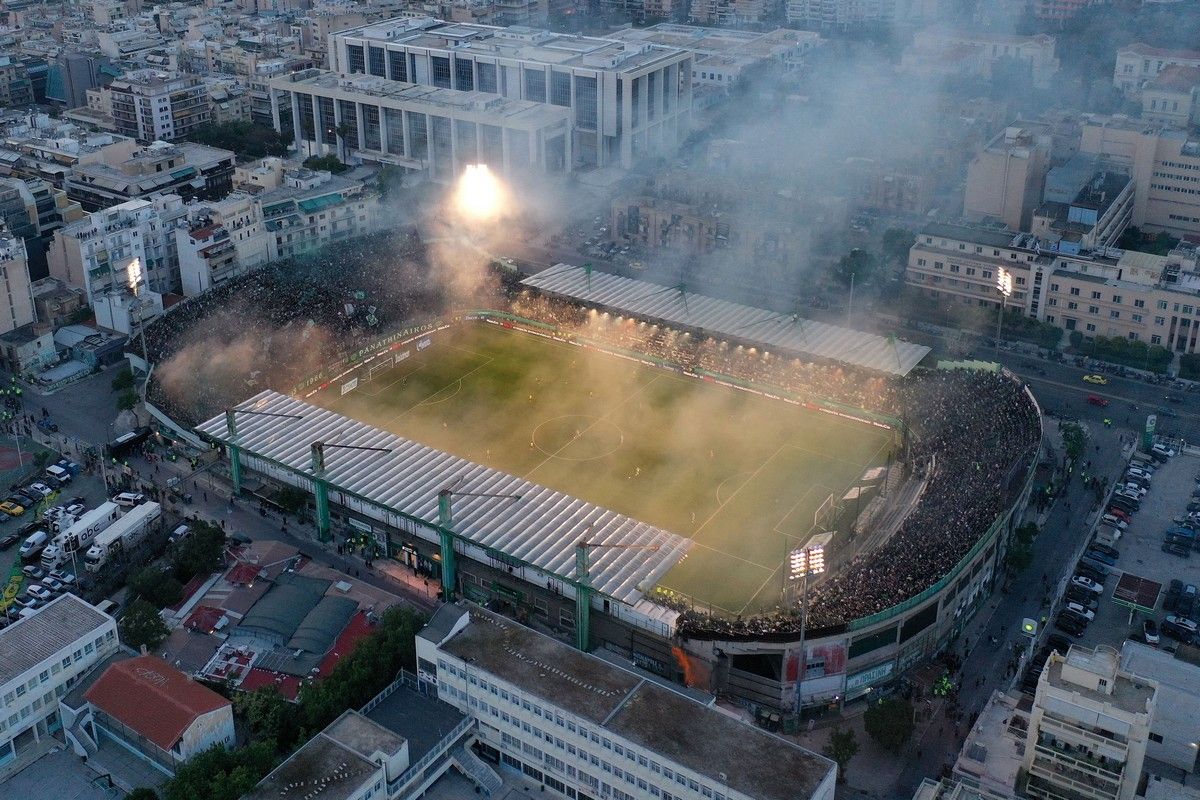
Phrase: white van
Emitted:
{"points": [[1108, 537], [34, 544], [180, 532], [129, 499]]}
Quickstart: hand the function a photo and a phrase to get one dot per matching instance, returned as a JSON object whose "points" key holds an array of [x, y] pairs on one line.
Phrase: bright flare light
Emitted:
{"points": [[135, 275], [479, 194]]}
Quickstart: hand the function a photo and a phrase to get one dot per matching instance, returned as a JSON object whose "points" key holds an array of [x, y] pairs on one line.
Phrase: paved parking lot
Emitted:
{"points": [[1141, 554]]}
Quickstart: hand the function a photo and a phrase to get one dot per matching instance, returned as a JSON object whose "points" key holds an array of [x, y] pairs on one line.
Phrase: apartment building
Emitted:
{"points": [[1139, 63], [626, 100], [151, 105], [586, 728], [1088, 728], [1059, 10], [723, 57], [16, 89], [16, 296], [733, 12], [943, 52], [1173, 96], [121, 254], [221, 239], [44, 655], [1109, 292], [186, 169], [1004, 181], [841, 13], [313, 209], [1164, 164], [426, 131]]}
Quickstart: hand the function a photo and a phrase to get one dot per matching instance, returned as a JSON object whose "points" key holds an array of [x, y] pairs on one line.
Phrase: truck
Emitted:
{"points": [[79, 536], [123, 535]]}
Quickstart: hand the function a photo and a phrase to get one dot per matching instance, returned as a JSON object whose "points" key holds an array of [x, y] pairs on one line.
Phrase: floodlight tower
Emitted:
{"points": [[1004, 285], [321, 486], [235, 451], [446, 535], [583, 585], [803, 562]]}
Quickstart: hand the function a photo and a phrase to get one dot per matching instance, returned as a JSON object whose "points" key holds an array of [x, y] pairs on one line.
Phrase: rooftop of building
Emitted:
{"points": [[1166, 669], [28, 642], [719, 41], [152, 698], [1142, 49], [1128, 694], [970, 233], [363, 735], [323, 769], [957, 34], [700, 737], [152, 79], [1176, 77], [516, 42], [514, 112], [24, 334], [419, 719]]}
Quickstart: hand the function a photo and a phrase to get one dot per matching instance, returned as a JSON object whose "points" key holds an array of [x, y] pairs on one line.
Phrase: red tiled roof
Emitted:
{"points": [[152, 698], [189, 589], [204, 619], [1148, 50], [288, 685], [356, 629], [243, 574]]}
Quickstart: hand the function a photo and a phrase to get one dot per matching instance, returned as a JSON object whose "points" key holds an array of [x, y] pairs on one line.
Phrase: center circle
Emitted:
{"points": [[578, 437]]}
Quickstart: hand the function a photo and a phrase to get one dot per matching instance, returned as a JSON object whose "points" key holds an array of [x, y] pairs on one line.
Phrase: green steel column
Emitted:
{"points": [[235, 452], [446, 535], [583, 599], [320, 491]]}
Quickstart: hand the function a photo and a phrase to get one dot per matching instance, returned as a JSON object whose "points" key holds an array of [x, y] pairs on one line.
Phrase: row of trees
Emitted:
{"points": [[275, 727], [248, 139], [1130, 352], [890, 723]]}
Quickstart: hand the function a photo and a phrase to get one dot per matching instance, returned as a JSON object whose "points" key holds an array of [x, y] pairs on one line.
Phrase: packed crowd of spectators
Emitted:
{"points": [[272, 327]]}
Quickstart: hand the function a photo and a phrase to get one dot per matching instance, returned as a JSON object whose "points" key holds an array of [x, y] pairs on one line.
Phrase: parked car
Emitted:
{"points": [[41, 488], [10, 539], [1076, 608], [1177, 549], [1121, 514], [1092, 569], [1181, 621], [1177, 632], [1071, 625], [39, 591], [12, 507], [1084, 582], [33, 572], [1102, 557], [1115, 521], [1174, 592], [1150, 632], [63, 577], [1058, 642]]}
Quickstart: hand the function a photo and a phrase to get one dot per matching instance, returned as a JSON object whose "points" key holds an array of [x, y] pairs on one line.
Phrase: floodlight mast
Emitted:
{"points": [[583, 585], [235, 451], [321, 486], [446, 535]]}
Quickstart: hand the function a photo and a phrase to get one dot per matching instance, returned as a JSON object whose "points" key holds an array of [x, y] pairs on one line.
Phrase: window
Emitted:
{"points": [[1137, 317], [1114, 314], [1075, 291], [1162, 305], [560, 88], [485, 77], [464, 75], [1116, 298], [1156, 737], [1054, 287], [1139, 303], [375, 59], [1053, 301], [1155, 340], [1091, 327], [1093, 309], [397, 65], [1095, 295], [1072, 305], [441, 71], [535, 86], [356, 61]]}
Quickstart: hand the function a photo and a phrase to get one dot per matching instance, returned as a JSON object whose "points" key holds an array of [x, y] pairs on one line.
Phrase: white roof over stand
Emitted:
{"points": [[725, 319], [541, 528]]}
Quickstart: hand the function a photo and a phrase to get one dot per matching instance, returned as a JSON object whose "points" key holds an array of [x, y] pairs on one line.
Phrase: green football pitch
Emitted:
{"points": [[741, 475]]}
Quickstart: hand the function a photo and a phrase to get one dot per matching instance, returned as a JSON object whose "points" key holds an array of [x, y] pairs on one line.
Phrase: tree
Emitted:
{"points": [[141, 625], [200, 553], [123, 381], [142, 793], [329, 163], [1020, 556], [248, 139], [890, 723], [269, 716], [842, 746], [855, 267], [127, 400], [896, 244], [156, 586]]}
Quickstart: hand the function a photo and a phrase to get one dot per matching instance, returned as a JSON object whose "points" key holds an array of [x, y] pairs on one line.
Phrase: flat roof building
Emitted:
{"points": [[626, 100], [43, 656], [426, 130], [577, 722], [1138, 63]]}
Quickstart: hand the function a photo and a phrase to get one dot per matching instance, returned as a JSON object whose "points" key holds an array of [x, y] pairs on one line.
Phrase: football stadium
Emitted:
{"points": [[788, 512]]}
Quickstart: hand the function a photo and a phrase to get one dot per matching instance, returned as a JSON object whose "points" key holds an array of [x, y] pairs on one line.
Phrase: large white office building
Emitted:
{"points": [[40, 659], [626, 99], [586, 728]]}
